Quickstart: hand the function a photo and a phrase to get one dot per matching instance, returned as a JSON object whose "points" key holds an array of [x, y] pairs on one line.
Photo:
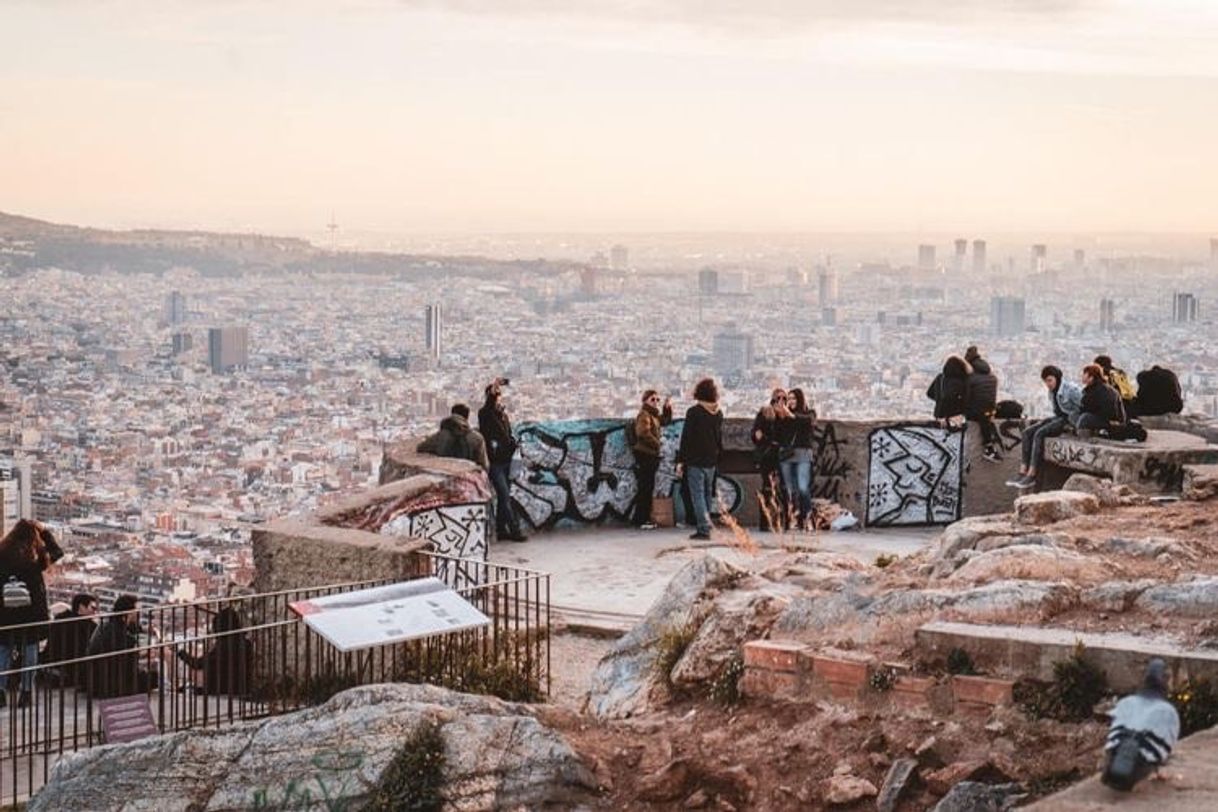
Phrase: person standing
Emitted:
{"points": [[698, 455], [766, 450], [496, 429], [795, 424], [648, 436], [980, 402], [26, 552]]}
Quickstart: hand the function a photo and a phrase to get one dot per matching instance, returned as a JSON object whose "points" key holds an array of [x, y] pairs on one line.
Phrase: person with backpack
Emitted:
{"points": [[796, 419], [1118, 380], [456, 439], [698, 454], [644, 437], [766, 452], [1158, 393], [1145, 727], [980, 403], [949, 390], [1066, 402], [26, 552], [1102, 407], [496, 429]]}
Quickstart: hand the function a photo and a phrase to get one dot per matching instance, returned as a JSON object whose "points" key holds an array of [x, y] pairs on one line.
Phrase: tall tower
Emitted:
{"points": [[979, 260], [1184, 308], [228, 349], [1040, 253], [926, 257], [826, 286], [1107, 315], [1006, 315], [434, 318], [175, 308], [958, 256]]}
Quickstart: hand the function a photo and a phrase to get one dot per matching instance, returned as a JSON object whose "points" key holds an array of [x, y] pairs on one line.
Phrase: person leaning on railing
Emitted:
{"points": [[26, 552], [225, 666]]}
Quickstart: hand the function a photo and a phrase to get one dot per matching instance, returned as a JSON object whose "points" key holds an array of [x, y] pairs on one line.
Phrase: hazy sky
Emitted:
{"points": [[534, 115]]}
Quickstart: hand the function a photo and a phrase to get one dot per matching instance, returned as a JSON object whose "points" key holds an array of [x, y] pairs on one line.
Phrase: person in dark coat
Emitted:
{"points": [[648, 436], [496, 429], [698, 455], [225, 666], [1102, 406], [456, 439], [796, 420], [980, 402], [949, 389], [69, 638], [766, 451], [119, 636], [26, 552], [1158, 393]]}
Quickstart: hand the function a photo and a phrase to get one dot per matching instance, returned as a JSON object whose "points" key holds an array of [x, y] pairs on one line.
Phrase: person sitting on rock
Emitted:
{"points": [[1118, 379], [456, 439], [1102, 406], [1065, 400], [949, 390], [981, 401], [1144, 728]]}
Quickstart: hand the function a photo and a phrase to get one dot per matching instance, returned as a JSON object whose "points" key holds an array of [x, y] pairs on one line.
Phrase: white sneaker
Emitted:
{"points": [[648, 526]]}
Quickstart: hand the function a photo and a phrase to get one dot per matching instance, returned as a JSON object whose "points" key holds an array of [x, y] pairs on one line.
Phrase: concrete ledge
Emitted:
{"points": [[291, 554], [402, 461], [1155, 466], [1018, 651]]}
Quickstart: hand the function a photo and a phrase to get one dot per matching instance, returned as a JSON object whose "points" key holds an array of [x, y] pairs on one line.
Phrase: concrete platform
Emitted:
{"points": [[1190, 785], [603, 579], [1155, 466]]}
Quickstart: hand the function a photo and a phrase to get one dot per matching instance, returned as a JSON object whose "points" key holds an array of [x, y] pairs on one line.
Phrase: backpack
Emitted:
{"points": [[1120, 382], [1008, 410], [16, 594], [1131, 430]]}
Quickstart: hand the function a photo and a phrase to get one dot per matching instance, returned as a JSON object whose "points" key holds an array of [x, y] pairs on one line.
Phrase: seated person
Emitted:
{"points": [[949, 390], [1065, 399], [68, 638], [1158, 392], [226, 663], [456, 439], [127, 671], [1102, 407], [1118, 380], [981, 401]]}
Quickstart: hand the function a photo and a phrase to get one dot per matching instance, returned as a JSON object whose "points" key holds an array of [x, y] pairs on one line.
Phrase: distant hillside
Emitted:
{"points": [[27, 244]]}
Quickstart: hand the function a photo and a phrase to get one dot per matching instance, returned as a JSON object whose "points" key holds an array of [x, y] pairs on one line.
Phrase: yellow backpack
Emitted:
{"points": [[1120, 381]]}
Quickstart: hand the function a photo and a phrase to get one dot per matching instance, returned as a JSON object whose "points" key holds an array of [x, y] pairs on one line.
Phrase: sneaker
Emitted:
{"points": [[991, 455], [1015, 482], [1026, 482], [648, 526], [700, 536]]}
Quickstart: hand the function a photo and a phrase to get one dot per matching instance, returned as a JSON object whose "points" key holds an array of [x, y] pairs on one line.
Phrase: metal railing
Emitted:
{"points": [[214, 662]]}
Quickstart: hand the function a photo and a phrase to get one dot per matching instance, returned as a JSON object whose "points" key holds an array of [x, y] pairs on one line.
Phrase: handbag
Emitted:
{"points": [[663, 512], [16, 594]]}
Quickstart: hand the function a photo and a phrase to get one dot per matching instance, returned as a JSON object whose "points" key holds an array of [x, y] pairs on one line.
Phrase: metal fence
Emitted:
{"points": [[214, 662]]}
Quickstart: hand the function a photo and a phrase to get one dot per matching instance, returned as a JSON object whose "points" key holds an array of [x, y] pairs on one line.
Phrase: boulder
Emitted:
{"points": [[1147, 548], [626, 680], [900, 776], [1200, 482], [1115, 596], [1106, 491], [1196, 598], [847, 789], [1054, 506], [735, 618], [971, 796], [966, 533], [496, 755], [1033, 563]]}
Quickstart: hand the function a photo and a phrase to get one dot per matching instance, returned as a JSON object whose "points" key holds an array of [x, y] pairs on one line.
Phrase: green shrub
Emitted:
{"points": [[413, 780], [884, 561], [1072, 695], [1197, 704], [725, 688], [670, 648], [881, 679], [959, 662]]}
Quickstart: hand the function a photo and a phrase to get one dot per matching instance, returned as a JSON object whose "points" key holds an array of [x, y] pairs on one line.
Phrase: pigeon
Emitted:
{"points": [[1145, 727]]}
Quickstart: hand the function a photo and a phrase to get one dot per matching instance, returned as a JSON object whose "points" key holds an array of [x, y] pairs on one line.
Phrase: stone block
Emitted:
{"points": [[760, 683], [1054, 506], [773, 655], [983, 690], [1200, 482], [836, 668]]}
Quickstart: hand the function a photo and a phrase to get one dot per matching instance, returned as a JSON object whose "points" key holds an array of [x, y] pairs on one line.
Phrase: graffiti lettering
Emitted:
{"points": [[1075, 454], [914, 476], [455, 531], [1168, 475], [1010, 434], [328, 787], [831, 469]]}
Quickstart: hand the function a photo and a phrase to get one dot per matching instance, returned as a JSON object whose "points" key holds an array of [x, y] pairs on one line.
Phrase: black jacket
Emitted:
{"points": [[701, 437], [796, 431], [496, 429], [982, 396], [69, 640], [949, 395], [1159, 392], [456, 439], [29, 573], [118, 674], [1101, 399], [764, 435]]}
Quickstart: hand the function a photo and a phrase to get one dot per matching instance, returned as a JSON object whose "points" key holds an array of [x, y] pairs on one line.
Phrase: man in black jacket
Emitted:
{"points": [[698, 455], [766, 450], [69, 637], [980, 402], [456, 439], [496, 429], [1102, 406]]}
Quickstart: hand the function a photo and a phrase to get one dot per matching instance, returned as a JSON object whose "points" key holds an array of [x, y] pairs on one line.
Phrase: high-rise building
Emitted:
{"points": [[958, 256], [589, 281], [926, 257], [1107, 315], [434, 318], [826, 286], [708, 282], [1184, 308], [1214, 252], [1006, 315], [734, 283], [1080, 257], [15, 493], [732, 351], [828, 316], [175, 308], [1038, 257], [979, 260], [619, 258], [182, 342], [228, 348]]}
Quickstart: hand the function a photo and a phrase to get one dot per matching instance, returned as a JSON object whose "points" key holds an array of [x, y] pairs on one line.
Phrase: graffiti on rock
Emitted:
{"points": [[329, 786], [1167, 475], [582, 472], [1073, 454], [915, 476], [831, 470]]}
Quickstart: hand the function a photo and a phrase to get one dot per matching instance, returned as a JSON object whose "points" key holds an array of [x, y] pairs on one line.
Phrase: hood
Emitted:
{"points": [[713, 408], [981, 366], [455, 423]]}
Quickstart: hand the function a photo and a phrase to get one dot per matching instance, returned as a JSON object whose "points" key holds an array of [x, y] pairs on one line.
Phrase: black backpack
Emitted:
{"points": [[1159, 392], [1008, 410]]}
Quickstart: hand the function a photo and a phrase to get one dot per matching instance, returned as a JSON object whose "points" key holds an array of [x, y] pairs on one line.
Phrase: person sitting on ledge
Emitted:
{"points": [[1102, 407], [981, 401], [949, 390], [1118, 380], [1065, 399], [456, 439]]}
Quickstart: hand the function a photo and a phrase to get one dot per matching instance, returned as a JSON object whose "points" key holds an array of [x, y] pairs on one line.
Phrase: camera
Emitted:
{"points": [[503, 381]]}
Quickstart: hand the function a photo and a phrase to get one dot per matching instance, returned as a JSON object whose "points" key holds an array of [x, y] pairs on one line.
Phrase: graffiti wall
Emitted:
{"points": [[915, 476], [576, 472], [458, 531]]}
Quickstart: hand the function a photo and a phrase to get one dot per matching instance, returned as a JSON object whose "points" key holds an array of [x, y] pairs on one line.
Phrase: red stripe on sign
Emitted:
{"points": [[303, 608]]}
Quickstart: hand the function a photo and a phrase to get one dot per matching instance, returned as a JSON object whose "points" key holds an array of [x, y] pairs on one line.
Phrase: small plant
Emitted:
{"points": [[725, 688], [959, 662], [882, 679], [669, 650], [1197, 704], [884, 561], [1071, 697], [413, 780]]}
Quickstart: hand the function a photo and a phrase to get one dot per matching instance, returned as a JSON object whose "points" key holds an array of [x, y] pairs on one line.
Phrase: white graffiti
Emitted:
{"points": [[914, 476], [455, 531]]}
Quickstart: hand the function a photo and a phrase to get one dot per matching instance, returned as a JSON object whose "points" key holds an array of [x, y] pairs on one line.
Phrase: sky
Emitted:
{"points": [[612, 116]]}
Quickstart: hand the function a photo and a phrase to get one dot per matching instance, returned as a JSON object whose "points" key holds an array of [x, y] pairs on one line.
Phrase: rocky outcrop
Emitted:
{"points": [[1200, 482], [1105, 490], [1033, 563], [496, 755], [971, 796], [1195, 598], [1054, 506]]}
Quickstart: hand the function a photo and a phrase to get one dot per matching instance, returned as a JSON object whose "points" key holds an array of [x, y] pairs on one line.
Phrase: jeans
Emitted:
{"points": [[645, 472], [505, 517], [29, 658], [1034, 437], [797, 478], [990, 437], [702, 494]]}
